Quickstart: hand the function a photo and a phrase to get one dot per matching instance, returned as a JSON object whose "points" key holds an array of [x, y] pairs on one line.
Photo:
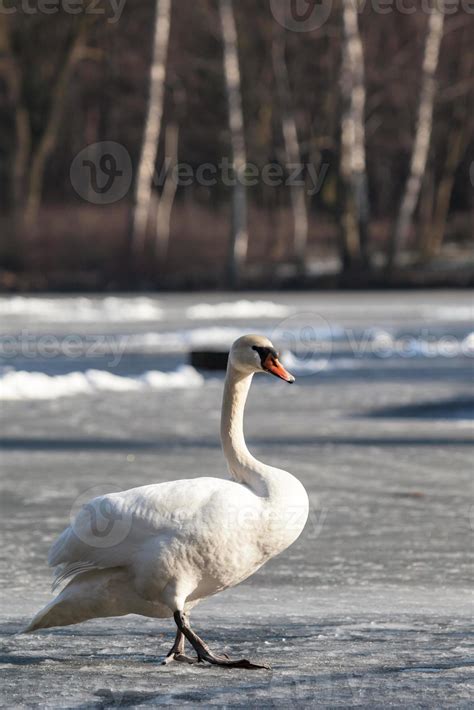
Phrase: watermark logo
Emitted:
{"points": [[306, 339], [98, 520], [102, 173], [309, 15], [301, 15]]}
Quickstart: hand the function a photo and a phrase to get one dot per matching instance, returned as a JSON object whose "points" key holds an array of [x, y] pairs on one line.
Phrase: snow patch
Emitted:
{"points": [[468, 345], [450, 313], [20, 385], [237, 309], [63, 310]]}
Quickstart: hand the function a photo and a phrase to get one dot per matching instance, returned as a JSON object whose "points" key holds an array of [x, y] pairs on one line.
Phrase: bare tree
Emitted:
{"points": [[457, 140], [151, 136], [49, 136], [239, 233], [424, 125], [292, 146], [10, 69], [355, 200], [165, 203], [30, 158]]}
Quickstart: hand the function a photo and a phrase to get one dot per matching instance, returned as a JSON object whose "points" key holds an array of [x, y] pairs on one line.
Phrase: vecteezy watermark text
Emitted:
{"points": [[309, 342], [31, 346], [102, 173], [111, 8], [310, 15], [382, 344], [305, 175]]}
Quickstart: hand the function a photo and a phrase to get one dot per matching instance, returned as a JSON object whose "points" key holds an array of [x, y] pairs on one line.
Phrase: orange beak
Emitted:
{"points": [[274, 366]]}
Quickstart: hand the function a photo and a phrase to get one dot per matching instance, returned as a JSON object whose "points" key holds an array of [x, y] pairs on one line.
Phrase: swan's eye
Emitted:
{"points": [[265, 354]]}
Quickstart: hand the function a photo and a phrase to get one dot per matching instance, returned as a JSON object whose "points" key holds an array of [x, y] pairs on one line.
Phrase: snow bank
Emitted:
{"points": [[468, 345], [111, 309], [19, 385], [450, 313], [237, 309]]}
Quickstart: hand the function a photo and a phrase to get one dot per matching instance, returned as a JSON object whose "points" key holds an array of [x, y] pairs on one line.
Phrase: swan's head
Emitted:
{"points": [[255, 353]]}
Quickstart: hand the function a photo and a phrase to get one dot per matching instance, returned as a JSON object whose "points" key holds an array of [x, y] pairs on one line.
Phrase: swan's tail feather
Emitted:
{"points": [[67, 571], [44, 619], [91, 595]]}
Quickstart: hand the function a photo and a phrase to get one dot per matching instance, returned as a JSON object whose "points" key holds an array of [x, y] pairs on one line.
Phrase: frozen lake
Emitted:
{"points": [[372, 605]]}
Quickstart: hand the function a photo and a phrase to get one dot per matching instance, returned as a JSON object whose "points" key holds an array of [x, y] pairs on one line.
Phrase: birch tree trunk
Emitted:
{"points": [[149, 147], [292, 148], [165, 203], [49, 137], [239, 232], [355, 199], [424, 125]]}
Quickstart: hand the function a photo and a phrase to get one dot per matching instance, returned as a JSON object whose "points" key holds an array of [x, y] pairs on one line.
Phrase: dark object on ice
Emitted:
{"points": [[215, 360]]}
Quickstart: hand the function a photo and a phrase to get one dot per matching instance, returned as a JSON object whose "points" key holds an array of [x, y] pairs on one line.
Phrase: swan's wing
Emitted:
{"points": [[98, 537], [63, 573], [110, 529]]}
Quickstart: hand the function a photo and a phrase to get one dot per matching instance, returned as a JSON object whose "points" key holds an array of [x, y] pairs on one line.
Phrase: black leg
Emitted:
{"points": [[177, 651], [204, 652]]}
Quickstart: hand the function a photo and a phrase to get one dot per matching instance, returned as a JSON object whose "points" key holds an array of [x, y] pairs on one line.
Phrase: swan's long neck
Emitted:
{"points": [[284, 494], [244, 467]]}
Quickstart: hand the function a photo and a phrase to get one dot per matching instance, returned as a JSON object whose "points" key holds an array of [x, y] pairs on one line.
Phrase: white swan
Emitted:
{"points": [[167, 546]]}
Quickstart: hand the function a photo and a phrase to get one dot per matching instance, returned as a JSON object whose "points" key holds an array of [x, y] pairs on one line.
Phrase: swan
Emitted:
{"points": [[169, 545]]}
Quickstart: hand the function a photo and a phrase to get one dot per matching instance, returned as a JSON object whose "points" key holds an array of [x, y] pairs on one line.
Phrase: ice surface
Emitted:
{"points": [[370, 608]]}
